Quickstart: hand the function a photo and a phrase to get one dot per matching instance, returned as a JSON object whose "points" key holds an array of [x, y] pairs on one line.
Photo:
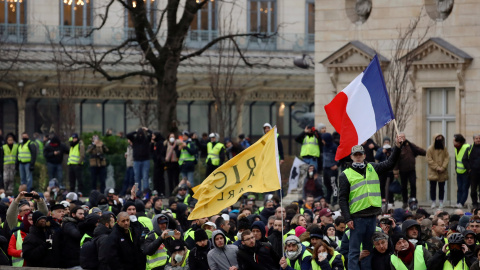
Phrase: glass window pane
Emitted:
{"points": [[194, 24], [436, 102], [92, 117], [199, 118], [451, 101], [204, 18], [12, 11], [260, 116], [22, 13], [311, 18], [435, 127], [2, 12], [182, 116], [114, 117], [264, 13], [253, 16], [89, 15], [79, 11]]}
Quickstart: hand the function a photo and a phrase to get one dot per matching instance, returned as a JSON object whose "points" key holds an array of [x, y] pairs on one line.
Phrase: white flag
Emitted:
{"points": [[295, 174]]}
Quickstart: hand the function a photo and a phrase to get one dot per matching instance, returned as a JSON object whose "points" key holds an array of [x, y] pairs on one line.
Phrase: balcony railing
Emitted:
{"points": [[111, 36]]}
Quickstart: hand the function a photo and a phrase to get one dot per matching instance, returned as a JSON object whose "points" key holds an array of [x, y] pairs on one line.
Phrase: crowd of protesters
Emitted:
{"points": [[137, 229]]}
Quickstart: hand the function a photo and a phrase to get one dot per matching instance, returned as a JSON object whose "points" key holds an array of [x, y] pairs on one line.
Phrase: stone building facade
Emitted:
{"points": [[445, 72]]}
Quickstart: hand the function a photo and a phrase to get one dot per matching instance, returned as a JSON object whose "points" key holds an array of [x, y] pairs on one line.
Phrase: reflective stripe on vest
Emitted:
{"points": [[74, 155], [458, 156], [310, 147], [185, 156], [298, 266], [18, 262], [364, 192], [214, 153], [419, 260], [85, 237], [315, 265], [185, 201], [24, 154], [460, 265], [10, 156], [291, 232], [158, 259]]}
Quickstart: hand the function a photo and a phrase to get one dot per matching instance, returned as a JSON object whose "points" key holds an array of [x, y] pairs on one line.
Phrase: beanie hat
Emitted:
{"points": [[243, 224], [291, 239], [177, 245], [299, 231], [396, 237], [37, 215], [316, 232], [328, 226], [464, 221], [72, 196], [128, 204], [200, 235]]}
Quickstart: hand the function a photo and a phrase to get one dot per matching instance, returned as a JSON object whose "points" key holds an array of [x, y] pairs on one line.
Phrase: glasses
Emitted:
{"points": [[469, 237], [249, 238], [474, 221]]}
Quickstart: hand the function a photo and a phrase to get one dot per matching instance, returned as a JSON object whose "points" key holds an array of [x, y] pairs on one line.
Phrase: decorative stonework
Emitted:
{"points": [[439, 10], [358, 11]]}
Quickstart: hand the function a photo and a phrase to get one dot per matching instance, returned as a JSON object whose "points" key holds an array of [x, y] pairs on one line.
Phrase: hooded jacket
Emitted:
{"points": [[140, 143], [55, 145], [197, 260], [329, 151], [224, 257], [261, 226], [410, 223], [70, 246], [437, 158], [260, 257], [152, 242]]}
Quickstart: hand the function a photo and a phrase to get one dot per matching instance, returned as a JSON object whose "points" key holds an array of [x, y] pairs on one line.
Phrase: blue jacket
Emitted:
{"points": [[329, 151]]}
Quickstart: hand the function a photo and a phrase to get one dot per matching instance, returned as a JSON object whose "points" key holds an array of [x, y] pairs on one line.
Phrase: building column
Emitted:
{"points": [[21, 107]]}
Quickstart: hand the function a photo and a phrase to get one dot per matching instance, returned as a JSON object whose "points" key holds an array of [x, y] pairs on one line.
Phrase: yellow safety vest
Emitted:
{"points": [[158, 259], [74, 155], [24, 154], [85, 237], [418, 263], [214, 152], [458, 156], [291, 232], [310, 147], [297, 263], [185, 201], [146, 222], [315, 265], [185, 156], [18, 262], [460, 265], [364, 192], [184, 260], [10, 156]]}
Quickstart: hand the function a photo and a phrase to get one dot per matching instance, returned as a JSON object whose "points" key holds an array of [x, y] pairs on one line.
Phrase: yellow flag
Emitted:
{"points": [[255, 169]]}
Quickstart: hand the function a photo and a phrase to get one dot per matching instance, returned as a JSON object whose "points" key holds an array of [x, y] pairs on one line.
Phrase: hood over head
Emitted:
{"points": [[259, 225], [215, 233], [156, 227], [158, 137], [410, 223], [55, 140], [328, 138]]}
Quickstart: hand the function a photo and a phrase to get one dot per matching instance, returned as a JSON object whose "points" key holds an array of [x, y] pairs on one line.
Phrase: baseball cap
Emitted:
{"points": [[212, 135], [111, 191], [72, 196], [358, 149], [162, 220], [325, 212], [75, 135], [211, 224]]}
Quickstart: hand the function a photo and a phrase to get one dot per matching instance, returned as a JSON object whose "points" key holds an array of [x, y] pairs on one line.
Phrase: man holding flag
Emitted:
{"points": [[357, 112]]}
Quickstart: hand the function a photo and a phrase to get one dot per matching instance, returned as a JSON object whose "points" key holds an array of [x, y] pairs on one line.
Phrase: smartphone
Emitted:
{"points": [[136, 187], [29, 194], [170, 233]]}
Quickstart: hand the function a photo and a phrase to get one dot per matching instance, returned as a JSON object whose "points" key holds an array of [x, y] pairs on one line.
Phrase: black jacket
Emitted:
{"points": [[260, 257], [101, 234], [140, 144], [3, 255], [472, 161], [70, 246], [197, 260], [36, 250], [275, 240], [157, 150], [55, 145], [438, 260], [345, 188], [381, 260], [122, 252]]}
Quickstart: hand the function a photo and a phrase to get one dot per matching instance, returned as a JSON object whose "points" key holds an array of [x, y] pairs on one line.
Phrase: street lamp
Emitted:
{"points": [[304, 61]]}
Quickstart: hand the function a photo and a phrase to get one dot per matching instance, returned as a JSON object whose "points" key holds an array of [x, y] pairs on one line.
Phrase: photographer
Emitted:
{"points": [[37, 246], [20, 206], [98, 163]]}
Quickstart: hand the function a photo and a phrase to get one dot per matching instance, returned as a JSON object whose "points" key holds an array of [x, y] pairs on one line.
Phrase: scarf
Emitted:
{"points": [[171, 155], [407, 255]]}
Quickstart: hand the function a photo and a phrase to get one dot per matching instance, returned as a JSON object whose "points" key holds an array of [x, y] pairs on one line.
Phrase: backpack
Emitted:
{"points": [[89, 255]]}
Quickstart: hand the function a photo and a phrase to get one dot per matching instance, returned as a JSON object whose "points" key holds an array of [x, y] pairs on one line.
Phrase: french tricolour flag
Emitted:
{"points": [[361, 109]]}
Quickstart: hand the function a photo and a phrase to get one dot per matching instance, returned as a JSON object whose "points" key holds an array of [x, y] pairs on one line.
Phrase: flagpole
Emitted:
{"points": [[282, 210], [395, 125]]}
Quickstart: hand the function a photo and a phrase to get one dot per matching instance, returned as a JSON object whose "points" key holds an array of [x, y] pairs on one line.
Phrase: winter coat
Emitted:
{"points": [[410, 151], [71, 236], [329, 151], [101, 234], [381, 260], [222, 258], [12, 212], [475, 265], [276, 239], [197, 260], [344, 185], [260, 257], [471, 160], [337, 263], [437, 158], [55, 145], [157, 150], [370, 157], [36, 251], [122, 252], [97, 154], [140, 143], [437, 261]]}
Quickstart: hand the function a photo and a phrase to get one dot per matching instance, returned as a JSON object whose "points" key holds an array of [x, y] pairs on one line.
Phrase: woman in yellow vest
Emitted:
{"points": [[16, 241], [10, 150], [459, 257], [407, 256], [325, 258]]}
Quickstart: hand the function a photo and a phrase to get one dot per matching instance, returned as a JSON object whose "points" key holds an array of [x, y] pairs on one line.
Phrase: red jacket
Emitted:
{"points": [[12, 246]]}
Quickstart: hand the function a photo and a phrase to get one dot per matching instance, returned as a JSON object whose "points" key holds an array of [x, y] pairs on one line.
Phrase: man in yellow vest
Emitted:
{"points": [[296, 255], [310, 151], [454, 255], [360, 201], [463, 184], [156, 241], [407, 255], [9, 154], [216, 154], [27, 155], [187, 157], [75, 162]]}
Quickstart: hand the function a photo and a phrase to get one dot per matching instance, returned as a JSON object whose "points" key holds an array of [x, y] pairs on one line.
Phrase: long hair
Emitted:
{"points": [[323, 244]]}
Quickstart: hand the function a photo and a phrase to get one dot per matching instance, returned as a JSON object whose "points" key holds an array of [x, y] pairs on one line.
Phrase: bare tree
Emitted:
{"points": [[397, 79], [164, 58], [145, 110]]}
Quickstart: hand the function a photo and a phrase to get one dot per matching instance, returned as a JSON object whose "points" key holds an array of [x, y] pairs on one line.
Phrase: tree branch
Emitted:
{"points": [[104, 19], [213, 42]]}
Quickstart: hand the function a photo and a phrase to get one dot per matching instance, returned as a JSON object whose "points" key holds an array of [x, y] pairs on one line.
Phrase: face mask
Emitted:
{"points": [[2, 195], [209, 234], [291, 254], [133, 218], [322, 254], [413, 241], [178, 257], [239, 235], [310, 174], [358, 165], [171, 140]]}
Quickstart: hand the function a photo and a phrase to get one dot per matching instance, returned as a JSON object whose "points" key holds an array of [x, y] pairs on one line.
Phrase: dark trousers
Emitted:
{"points": [[433, 190], [129, 180], [330, 178], [409, 177], [74, 176], [173, 174], [158, 178], [210, 169], [383, 185], [100, 174], [475, 185]]}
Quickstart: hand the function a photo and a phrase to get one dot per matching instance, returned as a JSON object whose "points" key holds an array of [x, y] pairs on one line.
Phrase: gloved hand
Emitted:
{"points": [[31, 168], [47, 245]]}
